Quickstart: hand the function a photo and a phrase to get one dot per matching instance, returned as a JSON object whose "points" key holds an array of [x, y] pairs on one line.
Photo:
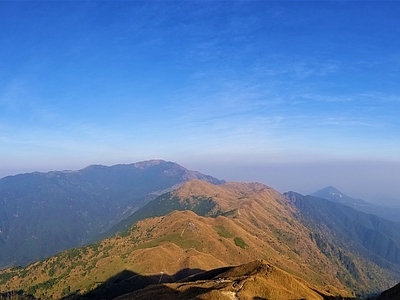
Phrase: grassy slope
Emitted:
{"points": [[260, 223], [254, 280]]}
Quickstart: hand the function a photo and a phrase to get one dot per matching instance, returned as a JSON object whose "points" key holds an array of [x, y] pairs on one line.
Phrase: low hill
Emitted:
{"points": [[44, 213]]}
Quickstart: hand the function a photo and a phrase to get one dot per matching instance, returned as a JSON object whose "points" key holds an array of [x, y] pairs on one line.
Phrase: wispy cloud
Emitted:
{"points": [[15, 95]]}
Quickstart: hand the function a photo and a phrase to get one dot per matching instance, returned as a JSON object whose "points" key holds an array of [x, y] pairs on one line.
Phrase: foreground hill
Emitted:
{"points": [[254, 280], [44, 213], [332, 194]]}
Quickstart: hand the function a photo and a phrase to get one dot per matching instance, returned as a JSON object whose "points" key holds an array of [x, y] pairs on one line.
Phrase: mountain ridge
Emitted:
{"points": [[259, 224], [202, 226], [359, 234], [42, 213]]}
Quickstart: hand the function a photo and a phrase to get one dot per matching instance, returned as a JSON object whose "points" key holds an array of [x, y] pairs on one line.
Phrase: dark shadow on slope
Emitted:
{"points": [[390, 294], [161, 291], [326, 297], [128, 282], [205, 275], [17, 295]]}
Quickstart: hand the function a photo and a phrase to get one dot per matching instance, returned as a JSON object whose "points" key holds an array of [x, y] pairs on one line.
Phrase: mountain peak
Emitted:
{"points": [[331, 190], [333, 194]]}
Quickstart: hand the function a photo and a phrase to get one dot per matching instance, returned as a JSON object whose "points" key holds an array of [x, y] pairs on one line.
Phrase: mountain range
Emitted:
{"points": [[42, 214], [332, 194], [208, 239]]}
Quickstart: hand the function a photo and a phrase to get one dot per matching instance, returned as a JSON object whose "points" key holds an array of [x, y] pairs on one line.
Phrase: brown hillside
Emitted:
{"points": [[255, 222], [254, 280], [270, 223]]}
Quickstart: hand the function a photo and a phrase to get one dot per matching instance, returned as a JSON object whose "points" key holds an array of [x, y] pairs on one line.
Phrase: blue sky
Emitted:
{"points": [[236, 89]]}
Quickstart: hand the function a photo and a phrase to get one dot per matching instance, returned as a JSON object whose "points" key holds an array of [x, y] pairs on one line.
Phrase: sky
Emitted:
{"points": [[297, 95]]}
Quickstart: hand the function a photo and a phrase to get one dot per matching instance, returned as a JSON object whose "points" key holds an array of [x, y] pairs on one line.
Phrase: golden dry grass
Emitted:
{"points": [[259, 216], [256, 280]]}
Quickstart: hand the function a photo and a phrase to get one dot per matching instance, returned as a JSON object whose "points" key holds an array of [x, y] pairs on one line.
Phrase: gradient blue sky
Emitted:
{"points": [[295, 94]]}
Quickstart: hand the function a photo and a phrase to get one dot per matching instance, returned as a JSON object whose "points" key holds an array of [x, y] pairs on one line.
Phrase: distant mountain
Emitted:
{"points": [[44, 213], [333, 194], [238, 223]]}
